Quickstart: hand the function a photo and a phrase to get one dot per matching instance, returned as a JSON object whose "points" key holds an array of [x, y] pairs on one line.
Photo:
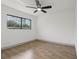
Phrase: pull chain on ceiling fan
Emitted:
{"points": [[39, 7]]}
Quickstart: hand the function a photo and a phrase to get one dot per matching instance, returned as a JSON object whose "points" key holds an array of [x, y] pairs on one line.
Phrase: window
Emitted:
{"points": [[26, 24], [15, 22]]}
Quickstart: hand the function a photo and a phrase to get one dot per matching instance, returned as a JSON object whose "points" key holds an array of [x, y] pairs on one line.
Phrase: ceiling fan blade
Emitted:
{"points": [[44, 11], [46, 7], [37, 3], [35, 11], [31, 7]]}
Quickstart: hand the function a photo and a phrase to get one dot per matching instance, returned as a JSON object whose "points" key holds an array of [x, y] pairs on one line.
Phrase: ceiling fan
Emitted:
{"points": [[39, 7]]}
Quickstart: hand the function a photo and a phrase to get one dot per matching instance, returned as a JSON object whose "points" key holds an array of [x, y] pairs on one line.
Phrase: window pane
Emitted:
{"points": [[26, 24], [13, 22]]}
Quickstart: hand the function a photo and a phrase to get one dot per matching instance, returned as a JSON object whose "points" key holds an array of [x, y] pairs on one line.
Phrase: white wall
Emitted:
{"points": [[11, 37], [58, 27]]}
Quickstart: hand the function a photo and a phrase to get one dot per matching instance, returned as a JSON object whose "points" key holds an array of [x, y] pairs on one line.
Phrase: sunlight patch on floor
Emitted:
{"points": [[25, 55]]}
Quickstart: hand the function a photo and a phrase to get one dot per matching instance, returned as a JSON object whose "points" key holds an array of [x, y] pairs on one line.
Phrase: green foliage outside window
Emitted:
{"points": [[15, 22]]}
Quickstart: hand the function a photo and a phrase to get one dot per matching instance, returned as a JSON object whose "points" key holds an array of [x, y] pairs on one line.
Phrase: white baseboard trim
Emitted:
{"points": [[60, 43], [16, 45]]}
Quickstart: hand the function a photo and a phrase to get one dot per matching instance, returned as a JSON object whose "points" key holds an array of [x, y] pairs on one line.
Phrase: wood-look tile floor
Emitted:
{"points": [[39, 50]]}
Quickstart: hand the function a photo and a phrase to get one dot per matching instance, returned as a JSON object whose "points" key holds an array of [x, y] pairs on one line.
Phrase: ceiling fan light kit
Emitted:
{"points": [[39, 7]]}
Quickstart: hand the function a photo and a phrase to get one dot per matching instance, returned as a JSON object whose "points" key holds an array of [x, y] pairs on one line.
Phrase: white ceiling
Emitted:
{"points": [[56, 5]]}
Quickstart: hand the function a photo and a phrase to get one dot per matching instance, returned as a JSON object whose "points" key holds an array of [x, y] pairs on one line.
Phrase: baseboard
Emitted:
{"points": [[65, 44], [59, 43], [17, 45]]}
